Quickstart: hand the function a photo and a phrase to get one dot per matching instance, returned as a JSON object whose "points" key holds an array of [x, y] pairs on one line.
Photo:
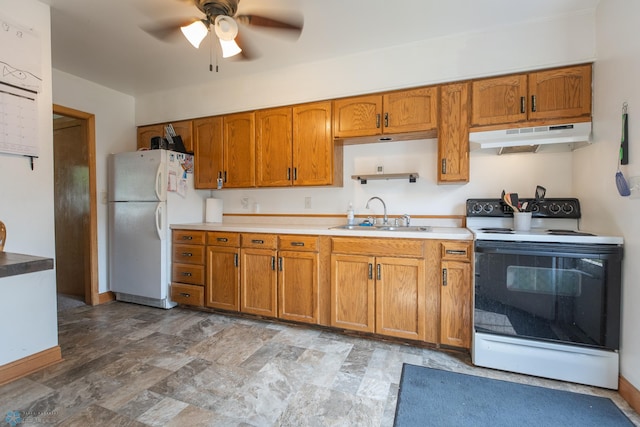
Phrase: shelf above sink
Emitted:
{"points": [[411, 176]]}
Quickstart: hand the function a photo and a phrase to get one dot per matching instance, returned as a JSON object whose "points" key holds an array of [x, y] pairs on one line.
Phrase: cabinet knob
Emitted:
{"points": [[534, 105], [187, 254], [222, 239], [187, 237], [444, 277], [297, 243], [258, 241], [184, 294], [523, 106], [456, 252], [186, 274]]}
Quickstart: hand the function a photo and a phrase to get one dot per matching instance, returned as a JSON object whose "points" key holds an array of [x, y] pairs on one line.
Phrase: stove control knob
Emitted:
{"points": [[554, 208], [567, 208], [488, 208], [476, 208]]}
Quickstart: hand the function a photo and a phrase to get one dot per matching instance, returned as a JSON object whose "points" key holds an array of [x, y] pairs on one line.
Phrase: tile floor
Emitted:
{"points": [[130, 365]]}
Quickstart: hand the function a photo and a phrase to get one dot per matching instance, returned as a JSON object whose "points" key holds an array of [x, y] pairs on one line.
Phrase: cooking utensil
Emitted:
{"points": [[540, 192], [506, 198], [515, 201], [621, 182]]}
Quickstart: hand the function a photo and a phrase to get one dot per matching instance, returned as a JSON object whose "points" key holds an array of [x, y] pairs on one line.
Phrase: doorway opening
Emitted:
{"points": [[75, 206]]}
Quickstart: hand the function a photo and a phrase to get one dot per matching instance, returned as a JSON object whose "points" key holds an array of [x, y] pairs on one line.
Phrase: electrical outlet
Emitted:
{"points": [[307, 202], [379, 169], [634, 186], [244, 202]]}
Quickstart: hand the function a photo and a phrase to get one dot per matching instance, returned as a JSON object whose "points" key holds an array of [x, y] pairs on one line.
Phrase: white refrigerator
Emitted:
{"points": [[148, 191]]}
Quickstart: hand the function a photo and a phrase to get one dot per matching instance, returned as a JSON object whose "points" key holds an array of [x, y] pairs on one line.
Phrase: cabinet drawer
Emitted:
{"points": [[458, 251], [378, 247], [188, 254], [298, 243], [266, 241], [220, 238], [189, 236], [187, 294], [188, 273]]}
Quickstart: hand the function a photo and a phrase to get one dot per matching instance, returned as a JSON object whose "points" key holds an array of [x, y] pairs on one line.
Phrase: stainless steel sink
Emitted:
{"points": [[412, 228]]}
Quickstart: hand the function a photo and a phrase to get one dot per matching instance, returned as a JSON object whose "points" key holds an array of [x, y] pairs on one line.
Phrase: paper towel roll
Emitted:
{"points": [[213, 211]]}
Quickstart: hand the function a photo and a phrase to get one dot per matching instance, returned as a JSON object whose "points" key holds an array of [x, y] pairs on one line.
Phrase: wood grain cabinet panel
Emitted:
{"points": [[259, 286], [499, 100], [188, 267], [223, 278], [239, 150], [352, 292], [410, 110], [145, 133], [298, 276], [274, 147], [453, 134], [456, 293], [208, 148]]}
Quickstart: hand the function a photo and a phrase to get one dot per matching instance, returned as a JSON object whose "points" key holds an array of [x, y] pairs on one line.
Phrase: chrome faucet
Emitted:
{"points": [[385, 219]]}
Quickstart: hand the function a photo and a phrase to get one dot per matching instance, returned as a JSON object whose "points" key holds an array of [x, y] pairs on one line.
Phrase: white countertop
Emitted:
{"points": [[436, 232]]}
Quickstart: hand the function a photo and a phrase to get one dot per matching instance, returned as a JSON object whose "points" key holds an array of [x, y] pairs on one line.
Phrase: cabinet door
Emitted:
{"points": [[410, 110], [274, 148], [455, 304], [239, 150], [298, 286], [184, 129], [453, 134], [499, 100], [208, 152], [357, 116], [400, 293], [313, 146], [352, 292], [223, 278], [145, 133], [560, 93], [258, 290]]}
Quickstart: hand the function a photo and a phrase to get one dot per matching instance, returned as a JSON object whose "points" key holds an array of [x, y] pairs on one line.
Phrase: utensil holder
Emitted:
{"points": [[522, 221]]}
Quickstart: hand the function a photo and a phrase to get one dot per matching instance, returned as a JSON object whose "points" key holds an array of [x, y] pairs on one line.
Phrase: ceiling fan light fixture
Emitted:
{"points": [[229, 48], [226, 27], [195, 33]]}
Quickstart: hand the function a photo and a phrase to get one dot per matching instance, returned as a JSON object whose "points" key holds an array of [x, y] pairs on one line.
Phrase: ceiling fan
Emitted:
{"points": [[222, 16]]}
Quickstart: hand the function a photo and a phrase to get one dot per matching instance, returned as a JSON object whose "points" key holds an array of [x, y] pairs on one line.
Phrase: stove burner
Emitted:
{"points": [[568, 233], [497, 230]]}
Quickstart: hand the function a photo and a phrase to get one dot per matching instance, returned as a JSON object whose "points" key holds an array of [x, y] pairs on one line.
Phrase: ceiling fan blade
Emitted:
{"points": [[292, 23], [167, 31], [248, 53]]}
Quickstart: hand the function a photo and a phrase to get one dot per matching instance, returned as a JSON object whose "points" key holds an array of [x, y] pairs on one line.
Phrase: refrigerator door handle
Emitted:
{"points": [[160, 183], [159, 221]]}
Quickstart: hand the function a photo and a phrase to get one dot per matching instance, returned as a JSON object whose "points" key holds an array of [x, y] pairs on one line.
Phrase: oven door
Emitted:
{"points": [[558, 292]]}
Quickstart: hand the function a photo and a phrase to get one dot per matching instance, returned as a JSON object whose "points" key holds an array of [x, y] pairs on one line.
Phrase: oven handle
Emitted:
{"points": [[569, 250]]}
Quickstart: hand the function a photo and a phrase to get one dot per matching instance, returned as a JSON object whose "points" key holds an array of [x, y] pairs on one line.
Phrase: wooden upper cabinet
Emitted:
{"points": [[314, 151], [274, 151], [239, 150], [145, 133], [551, 95], [499, 100], [410, 110], [184, 129], [357, 116], [208, 152], [453, 133], [414, 110], [563, 92]]}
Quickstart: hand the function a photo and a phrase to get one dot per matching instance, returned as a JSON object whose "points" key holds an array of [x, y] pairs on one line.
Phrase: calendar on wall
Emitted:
{"points": [[20, 82]]}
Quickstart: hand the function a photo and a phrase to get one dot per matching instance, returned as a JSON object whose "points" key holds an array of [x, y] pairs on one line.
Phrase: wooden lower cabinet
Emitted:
{"points": [[188, 267], [258, 289], [298, 274], [456, 294], [222, 271], [379, 294]]}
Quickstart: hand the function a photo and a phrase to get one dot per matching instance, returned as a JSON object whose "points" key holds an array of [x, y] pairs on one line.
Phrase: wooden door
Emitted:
{"points": [[313, 146], [453, 134], [223, 278], [560, 93], [71, 205], [239, 150], [208, 152], [499, 100], [400, 294], [357, 116], [353, 292], [145, 133], [258, 289], [274, 148], [455, 304], [184, 129], [410, 110], [298, 275]]}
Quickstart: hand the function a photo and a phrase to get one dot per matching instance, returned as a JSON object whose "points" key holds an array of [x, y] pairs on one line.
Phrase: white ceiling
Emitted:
{"points": [[103, 40]]}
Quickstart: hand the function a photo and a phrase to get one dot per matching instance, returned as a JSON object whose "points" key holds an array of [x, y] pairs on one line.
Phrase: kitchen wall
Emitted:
{"points": [[615, 81], [115, 132], [28, 322]]}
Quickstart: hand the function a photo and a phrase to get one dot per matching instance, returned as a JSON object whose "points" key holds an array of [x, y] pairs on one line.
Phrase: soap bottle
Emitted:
{"points": [[351, 219]]}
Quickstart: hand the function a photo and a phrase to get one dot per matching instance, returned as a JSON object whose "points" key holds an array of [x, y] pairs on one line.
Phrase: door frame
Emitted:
{"points": [[91, 288]]}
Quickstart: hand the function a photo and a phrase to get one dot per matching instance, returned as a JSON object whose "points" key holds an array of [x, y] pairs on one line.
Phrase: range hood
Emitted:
{"points": [[563, 137]]}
